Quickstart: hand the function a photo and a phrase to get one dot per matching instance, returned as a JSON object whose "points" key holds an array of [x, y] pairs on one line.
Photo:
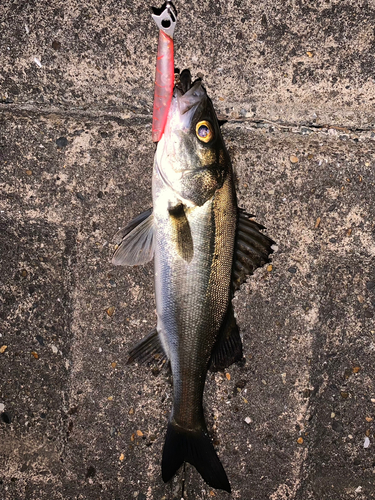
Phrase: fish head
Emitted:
{"points": [[191, 157]]}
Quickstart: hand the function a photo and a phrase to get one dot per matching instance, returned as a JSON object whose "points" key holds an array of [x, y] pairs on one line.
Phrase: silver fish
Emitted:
{"points": [[203, 247]]}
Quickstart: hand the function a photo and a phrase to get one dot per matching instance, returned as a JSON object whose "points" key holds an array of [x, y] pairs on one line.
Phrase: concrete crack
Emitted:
{"points": [[129, 117]]}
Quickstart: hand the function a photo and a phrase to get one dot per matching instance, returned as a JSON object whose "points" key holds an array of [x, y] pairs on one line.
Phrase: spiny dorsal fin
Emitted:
{"points": [[148, 349], [228, 349], [252, 249], [135, 241]]}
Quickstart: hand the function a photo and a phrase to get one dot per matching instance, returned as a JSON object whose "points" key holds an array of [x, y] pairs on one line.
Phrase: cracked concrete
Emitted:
{"points": [[295, 82]]}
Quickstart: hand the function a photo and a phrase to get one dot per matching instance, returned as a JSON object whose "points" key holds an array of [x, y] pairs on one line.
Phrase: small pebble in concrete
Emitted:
{"points": [[61, 142], [6, 418], [110, 311], [248, 420], [3, 348], [2, 406], [40, 339], [293, 159], [91, 471], [366, 444]]}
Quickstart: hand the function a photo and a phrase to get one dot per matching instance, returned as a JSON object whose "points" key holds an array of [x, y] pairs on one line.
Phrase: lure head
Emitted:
{"points": [[165, 18], [191, 157]]}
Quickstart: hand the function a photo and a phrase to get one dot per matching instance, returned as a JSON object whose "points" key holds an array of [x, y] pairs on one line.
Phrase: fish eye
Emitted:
{"points": [[204, 131]]}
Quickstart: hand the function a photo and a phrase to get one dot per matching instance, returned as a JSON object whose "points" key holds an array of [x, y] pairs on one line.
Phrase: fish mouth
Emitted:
{"points": [[187, 93], [183, 81]]}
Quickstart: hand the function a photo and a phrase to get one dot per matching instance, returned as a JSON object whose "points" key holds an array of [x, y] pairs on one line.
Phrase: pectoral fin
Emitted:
{"points": [[181, 233], [148, 349], [252, 249], [135, 241], [228, 349]]}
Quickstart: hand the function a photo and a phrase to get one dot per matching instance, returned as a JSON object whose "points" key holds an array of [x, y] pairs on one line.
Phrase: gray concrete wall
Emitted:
{"points": [[295, 80]]}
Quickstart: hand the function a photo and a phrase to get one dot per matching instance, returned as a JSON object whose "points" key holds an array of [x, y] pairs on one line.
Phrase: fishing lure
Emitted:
{"points": [[164, 77]]}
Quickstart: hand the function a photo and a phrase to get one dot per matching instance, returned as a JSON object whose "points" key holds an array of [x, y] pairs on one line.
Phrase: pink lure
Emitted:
{"points": [[164, 77]]}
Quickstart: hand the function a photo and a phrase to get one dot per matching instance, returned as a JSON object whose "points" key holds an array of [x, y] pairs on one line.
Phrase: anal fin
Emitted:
{"points": [[147, 350], [228, 349]]}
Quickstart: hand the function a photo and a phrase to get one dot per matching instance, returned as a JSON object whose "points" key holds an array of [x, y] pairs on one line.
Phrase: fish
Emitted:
{"points": [[204, 247]]}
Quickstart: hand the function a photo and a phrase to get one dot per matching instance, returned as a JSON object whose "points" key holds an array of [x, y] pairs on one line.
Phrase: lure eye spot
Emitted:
{"points": [[204, 131]]}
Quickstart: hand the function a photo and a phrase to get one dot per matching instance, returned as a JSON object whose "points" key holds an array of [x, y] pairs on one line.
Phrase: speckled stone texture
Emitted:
{"points": [[295, 82]]}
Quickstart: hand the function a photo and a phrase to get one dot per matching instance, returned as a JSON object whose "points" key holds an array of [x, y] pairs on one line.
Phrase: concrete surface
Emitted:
{"points": [[295, 80]]}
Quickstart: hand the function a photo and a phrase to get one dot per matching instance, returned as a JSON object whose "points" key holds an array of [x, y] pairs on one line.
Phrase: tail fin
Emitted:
{"points": [[182, 445]]}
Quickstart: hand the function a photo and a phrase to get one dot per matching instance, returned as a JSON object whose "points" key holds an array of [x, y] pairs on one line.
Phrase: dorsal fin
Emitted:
{"points": [[252, 249]]}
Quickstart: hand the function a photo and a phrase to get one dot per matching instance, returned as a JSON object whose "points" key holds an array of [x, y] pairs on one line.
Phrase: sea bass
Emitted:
{"points": [[203, 247]]}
